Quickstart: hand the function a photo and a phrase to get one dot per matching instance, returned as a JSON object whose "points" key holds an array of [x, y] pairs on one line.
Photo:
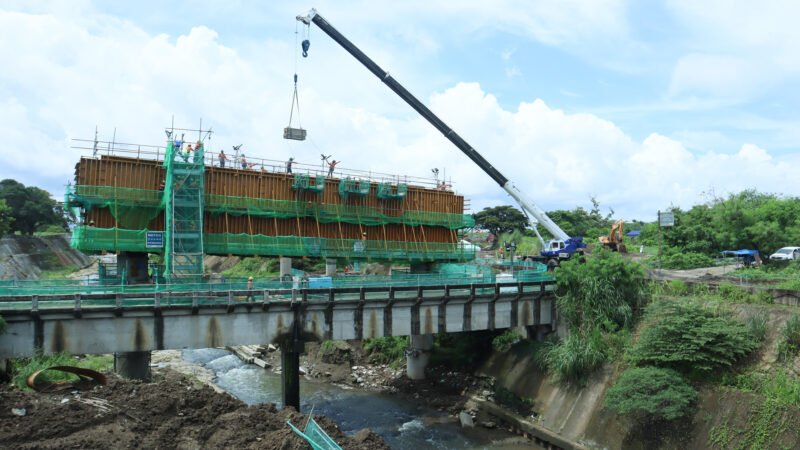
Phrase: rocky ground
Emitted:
{"points": [[175, 411]]}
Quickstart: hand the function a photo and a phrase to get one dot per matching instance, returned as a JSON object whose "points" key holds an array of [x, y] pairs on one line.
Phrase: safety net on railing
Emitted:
{"points": [[91, 285], [135, 208], [98, 239]]}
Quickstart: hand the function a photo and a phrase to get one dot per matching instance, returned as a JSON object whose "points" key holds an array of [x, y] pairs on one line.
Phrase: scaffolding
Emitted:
{"points": [[183, 203]]}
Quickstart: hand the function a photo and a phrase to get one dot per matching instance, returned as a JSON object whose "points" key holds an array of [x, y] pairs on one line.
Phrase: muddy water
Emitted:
{"points": [[403, 424]]}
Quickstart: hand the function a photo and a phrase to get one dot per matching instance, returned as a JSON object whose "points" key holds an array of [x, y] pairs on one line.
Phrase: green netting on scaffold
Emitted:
{"points": [[131, 208], [114, 239], [183, 205]]}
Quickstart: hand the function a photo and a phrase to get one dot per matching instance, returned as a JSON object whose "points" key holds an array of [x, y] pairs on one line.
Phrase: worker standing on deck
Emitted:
{"points": [[189, 151], [222, 158], [331, 166], [243, 161], [249, 288], [289, 165]]}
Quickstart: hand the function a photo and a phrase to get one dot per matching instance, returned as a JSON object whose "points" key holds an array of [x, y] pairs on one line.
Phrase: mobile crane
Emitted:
{"points": [[561, 247]]}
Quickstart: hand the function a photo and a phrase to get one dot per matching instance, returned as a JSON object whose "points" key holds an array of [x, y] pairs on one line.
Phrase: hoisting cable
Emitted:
{"points": [[297, 134]]}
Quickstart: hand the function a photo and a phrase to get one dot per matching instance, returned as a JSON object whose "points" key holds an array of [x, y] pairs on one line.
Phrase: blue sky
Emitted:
{"points": [[641, 104]]}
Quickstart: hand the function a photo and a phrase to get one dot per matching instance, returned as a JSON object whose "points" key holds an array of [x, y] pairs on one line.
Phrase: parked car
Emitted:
{"points": [[786, 254]]}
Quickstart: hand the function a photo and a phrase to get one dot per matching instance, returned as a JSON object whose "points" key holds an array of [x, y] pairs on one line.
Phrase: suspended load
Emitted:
{"points": [[295, 134]]}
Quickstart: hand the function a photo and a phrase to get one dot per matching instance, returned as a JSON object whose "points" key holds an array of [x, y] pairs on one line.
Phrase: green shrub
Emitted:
{"points": [[606, 289], [691, 339], [386, 350], [651, 394], [684, 260], [24, 367], [574, 358], [676, 287], [254, 266], [503, 342], [789, 342]]}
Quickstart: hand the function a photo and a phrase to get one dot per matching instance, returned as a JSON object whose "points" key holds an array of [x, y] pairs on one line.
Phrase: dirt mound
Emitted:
{"points": [[172, 412]]}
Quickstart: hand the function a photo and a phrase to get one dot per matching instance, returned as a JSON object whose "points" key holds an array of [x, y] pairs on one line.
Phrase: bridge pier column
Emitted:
{"points": [[330, 267], [290, 372], [418, 355], [133, 365], [285, 266]]}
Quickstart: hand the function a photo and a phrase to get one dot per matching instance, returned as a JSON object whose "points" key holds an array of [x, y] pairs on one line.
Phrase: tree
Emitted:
{"points": [[579, 222], [501, 219], [651, 394], [31, 207], [5, 218]]}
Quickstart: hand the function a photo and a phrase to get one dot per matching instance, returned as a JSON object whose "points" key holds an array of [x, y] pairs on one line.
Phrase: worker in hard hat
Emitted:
{"points": [[250, 288]]}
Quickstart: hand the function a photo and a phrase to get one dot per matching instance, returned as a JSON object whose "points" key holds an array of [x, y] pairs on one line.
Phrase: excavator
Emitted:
{"points": [[561, 247], [614, 241]]}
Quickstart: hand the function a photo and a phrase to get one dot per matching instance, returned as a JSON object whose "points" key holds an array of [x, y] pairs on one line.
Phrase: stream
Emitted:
{"points": [[401, 423]]}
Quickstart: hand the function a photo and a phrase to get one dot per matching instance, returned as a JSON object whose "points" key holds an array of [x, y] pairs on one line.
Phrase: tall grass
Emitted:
{"points": [[789, 343]]}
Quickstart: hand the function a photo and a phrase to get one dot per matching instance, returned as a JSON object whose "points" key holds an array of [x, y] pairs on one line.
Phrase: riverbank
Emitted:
{"points": [[174, 411], [461, 400]]}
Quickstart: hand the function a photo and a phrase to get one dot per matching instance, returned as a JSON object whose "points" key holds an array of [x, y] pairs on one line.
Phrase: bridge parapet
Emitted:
{"points": [[124, 322]]}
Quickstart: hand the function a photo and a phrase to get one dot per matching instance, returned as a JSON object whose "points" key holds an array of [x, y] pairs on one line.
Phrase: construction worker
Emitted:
{"points": [[222, 158], [243, 161], [249, 288], [289, 165], [189, 151], [91, 223], [331, 166]]}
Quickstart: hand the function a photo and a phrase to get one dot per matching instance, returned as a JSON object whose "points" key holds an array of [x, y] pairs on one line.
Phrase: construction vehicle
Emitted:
{"points": [[561, 247], [614, 241]]}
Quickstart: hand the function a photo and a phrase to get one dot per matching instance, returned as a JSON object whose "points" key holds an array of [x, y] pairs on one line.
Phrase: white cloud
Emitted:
{"points": [[736, 48], [73, 72]]}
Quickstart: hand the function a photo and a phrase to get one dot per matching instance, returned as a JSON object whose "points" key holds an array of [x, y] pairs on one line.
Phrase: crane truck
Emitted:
{"points": [[561, 247]]}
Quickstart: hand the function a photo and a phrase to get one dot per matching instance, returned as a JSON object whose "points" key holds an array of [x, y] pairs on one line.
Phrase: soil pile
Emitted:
{"points": [[172, 412]]}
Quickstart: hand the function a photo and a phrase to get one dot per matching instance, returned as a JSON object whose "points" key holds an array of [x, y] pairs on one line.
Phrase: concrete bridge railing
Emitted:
{"points": [[139, 322]]}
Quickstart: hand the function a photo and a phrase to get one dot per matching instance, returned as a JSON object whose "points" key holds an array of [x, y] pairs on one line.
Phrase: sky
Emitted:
{"points": [[642, 105]]}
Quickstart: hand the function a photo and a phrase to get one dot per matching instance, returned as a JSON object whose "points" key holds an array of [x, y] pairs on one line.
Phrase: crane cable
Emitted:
{"points": [[295, 98]]}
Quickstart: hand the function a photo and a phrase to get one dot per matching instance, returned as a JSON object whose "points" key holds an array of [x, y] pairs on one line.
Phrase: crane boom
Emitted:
{"points": [[535, 214]]}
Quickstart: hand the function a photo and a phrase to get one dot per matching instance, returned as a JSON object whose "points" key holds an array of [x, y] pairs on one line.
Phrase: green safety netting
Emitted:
{"points": [[98, 239], [183, 206], [88, 285], [134, 208], [351, 186], [387, 192], [131, 208]]}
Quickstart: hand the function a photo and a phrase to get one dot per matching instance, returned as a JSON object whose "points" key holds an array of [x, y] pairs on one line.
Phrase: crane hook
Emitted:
{"points": [[306, 43]]}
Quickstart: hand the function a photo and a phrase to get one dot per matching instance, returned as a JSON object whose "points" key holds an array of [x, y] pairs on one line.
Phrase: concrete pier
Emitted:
{"points": [[418, 355], [330, 267], [290, 372], [133, 365], [285, 266]]}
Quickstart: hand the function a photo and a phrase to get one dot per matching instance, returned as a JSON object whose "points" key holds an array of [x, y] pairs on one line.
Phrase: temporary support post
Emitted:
{"points": [[330, 267], [418, 354], [290, 368], [133, 365]]}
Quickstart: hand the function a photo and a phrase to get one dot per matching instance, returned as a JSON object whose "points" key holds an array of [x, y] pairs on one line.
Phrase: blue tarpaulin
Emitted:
{"points": [[633, 233], [749, 257]]}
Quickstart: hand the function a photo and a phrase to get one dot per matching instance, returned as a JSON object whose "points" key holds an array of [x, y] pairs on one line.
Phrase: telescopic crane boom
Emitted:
{"points": [[561, 247]]}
